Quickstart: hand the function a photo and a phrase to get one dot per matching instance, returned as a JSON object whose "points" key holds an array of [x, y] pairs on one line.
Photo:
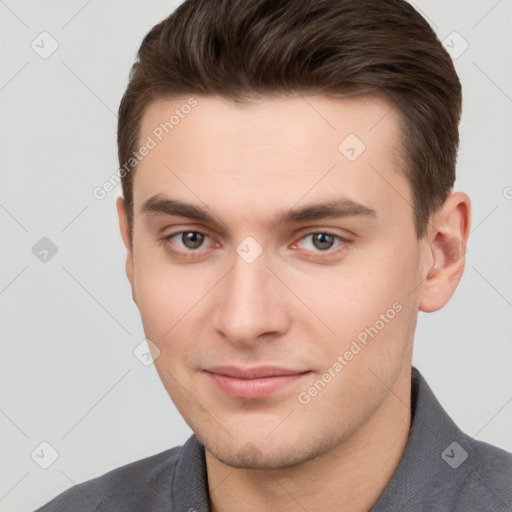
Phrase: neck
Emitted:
{"points": [[350, 477]]}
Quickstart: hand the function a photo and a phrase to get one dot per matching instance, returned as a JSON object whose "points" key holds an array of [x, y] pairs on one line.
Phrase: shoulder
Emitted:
{"points": [[488, 484], [443, 468], [146, 481]]}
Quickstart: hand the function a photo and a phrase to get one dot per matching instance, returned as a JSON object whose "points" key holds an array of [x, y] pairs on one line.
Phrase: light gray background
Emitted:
{"points": [[69, 327]]}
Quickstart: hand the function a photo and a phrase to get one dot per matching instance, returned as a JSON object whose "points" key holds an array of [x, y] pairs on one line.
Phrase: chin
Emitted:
{"points": [[256, 452]]}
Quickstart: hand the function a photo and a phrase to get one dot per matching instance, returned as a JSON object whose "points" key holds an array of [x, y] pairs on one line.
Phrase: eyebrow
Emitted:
{"points": [[336, 208]]}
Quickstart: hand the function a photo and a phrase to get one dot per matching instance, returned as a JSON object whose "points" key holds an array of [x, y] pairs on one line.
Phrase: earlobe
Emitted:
{"points": [[449, 235], [124, 228]]}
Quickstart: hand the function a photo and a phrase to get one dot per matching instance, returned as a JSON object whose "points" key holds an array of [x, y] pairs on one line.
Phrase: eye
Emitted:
{"points": [[187, 240], [321, 242]]}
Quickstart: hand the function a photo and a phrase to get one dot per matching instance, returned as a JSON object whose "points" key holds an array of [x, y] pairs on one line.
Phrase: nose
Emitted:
{"points": [[251, 305]]}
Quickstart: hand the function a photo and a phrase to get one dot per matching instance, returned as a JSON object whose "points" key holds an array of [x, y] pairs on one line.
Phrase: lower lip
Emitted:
{"points": [[253, 388]]}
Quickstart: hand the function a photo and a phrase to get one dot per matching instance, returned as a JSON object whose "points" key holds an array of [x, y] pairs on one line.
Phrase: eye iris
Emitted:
{"points": [[192, 240], [323, 241]]}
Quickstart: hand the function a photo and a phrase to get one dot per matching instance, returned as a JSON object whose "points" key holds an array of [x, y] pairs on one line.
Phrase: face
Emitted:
{"points": [[276, 268]]}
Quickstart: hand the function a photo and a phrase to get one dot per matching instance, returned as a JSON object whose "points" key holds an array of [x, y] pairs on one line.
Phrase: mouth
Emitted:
{"points": [[253, 383]]}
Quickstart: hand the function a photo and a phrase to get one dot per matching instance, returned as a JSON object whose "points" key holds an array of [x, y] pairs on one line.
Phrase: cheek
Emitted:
{"points": [[160, 297], [367, 299], [156, 302], [170, 297], [349, 293], [166, 301]]}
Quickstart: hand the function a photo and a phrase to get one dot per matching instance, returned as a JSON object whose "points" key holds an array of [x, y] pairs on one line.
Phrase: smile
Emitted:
{"points": [[253, 383]]}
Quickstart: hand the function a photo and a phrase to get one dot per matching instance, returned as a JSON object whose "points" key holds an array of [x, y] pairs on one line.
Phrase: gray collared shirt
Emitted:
{"points": [[441, 470]]}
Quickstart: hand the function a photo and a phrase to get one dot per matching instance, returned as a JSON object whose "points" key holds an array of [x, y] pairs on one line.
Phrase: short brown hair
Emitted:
{"points": [[241, 49]]}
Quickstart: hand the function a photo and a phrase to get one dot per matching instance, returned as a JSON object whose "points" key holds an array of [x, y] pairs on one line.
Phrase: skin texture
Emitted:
{"points": [[295, 306]]}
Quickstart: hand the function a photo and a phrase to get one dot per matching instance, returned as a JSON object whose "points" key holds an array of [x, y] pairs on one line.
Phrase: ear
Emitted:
{"points": [[124, 228], [445, 259]]}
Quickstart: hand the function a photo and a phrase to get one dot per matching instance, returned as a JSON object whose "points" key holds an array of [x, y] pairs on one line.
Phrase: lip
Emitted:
{"points": [[253, 383]]}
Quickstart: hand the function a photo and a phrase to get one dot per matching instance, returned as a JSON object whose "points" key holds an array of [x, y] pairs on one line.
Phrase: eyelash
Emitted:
{"points": [[191, 253]]}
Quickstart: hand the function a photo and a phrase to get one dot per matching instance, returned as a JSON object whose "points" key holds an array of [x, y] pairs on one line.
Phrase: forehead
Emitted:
{"points": [[272, 152]]}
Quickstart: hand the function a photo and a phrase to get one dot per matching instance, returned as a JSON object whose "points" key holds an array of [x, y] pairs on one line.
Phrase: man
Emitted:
{"points": [[288, 172]]}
